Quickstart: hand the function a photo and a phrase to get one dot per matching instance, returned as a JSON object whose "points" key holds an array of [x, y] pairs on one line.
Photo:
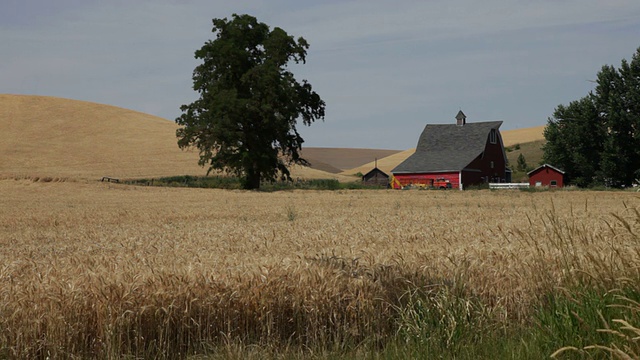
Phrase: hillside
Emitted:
{"points": [[342, 158], [54, 137], [385, 164], [521, 136], [532, 152]]}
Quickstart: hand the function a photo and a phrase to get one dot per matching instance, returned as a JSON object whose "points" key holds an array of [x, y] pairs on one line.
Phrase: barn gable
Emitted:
{"points": [[449, 147]]}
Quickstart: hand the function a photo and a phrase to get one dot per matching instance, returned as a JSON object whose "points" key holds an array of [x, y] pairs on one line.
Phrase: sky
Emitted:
{"points": [[384, 68]]}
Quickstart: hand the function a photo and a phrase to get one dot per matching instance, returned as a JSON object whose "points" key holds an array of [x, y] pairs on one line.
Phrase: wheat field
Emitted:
{"points": [[107, 270], [104, 270]]}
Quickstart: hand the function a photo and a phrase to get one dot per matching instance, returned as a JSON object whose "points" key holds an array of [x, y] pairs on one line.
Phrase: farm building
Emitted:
{"points": [[454, 156], [375, 177], [546, 175]]}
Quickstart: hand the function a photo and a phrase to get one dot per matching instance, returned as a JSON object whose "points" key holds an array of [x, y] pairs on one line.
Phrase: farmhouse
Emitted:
{"points": [[546, 175], [454, 156]]}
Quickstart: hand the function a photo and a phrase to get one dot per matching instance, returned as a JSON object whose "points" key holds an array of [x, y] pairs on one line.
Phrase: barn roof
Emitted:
{"points": [[375, 170], [448, 147], [545, 166]]}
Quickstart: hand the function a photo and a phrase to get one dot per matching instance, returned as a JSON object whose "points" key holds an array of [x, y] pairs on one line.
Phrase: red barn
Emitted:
{"points": [[546, 175], [455, 156]]}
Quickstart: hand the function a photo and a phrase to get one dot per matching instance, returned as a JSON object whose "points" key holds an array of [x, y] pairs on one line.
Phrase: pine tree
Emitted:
{"points": [[522, 163]]}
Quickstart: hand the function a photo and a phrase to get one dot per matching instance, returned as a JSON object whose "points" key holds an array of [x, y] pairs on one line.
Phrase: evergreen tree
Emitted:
{"points": [[522, 163]]}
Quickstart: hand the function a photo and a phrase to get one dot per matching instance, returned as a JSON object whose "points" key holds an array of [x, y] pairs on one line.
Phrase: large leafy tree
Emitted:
{"points": [[245, 119], [596, 139]]}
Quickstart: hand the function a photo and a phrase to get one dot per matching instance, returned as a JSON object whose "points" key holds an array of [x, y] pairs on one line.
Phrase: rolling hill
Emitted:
{"points": [[54, 137], [43, 136], [339, 159], [521, 136]]}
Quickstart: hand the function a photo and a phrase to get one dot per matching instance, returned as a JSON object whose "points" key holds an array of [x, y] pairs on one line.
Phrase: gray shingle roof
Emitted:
{"points": [[448, 147]]}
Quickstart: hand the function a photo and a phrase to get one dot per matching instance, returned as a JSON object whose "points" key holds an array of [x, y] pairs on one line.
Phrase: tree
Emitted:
{"points": [[522, 163], [617, 100], [596, 140], [575, 141], [244, 122]]}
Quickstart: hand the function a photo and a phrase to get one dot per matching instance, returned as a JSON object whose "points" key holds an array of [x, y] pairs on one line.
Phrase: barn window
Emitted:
{"points": [[493, 137], [492, 164], [554, 183]]}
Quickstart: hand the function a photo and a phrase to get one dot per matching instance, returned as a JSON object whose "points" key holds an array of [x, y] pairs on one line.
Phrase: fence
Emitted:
{"points": [[508, 185]]}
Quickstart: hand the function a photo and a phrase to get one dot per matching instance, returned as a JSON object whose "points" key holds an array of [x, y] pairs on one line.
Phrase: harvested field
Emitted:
{"points": [[521, 136], [107, 270]]}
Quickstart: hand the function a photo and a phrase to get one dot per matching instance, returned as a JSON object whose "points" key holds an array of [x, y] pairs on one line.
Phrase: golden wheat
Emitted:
{"points": [[105, 270]]}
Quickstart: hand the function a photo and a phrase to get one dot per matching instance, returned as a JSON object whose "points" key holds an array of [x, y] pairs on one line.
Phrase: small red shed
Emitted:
{"points": [[546, 175]]}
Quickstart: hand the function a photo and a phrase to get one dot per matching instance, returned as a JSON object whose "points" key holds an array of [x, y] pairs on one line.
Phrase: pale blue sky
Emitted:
{"points": [[384, 68]]}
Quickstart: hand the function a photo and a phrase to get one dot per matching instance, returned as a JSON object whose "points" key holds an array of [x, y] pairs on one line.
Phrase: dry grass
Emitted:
{"points": [[521, 136], [533, 153], [60, 138], [45, 136], [101, 270]]}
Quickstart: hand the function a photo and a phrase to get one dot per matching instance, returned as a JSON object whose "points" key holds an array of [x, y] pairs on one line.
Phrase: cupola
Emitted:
{"points": [[461, 118]]}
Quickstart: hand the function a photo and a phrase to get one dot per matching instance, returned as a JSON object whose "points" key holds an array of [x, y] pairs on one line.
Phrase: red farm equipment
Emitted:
{"points": [[414, 182], [441, 183]]}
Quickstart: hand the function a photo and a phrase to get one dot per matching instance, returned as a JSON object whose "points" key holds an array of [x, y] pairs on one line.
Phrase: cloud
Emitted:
{"points": [[384, 69]]}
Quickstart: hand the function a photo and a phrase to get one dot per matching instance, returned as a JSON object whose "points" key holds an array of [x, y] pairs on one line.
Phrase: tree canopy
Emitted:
{"points": [[245, 120], [596, 139]]}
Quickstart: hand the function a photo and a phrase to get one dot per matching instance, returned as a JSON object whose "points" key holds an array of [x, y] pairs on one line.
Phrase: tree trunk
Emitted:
{"points": [[252, 180]]}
